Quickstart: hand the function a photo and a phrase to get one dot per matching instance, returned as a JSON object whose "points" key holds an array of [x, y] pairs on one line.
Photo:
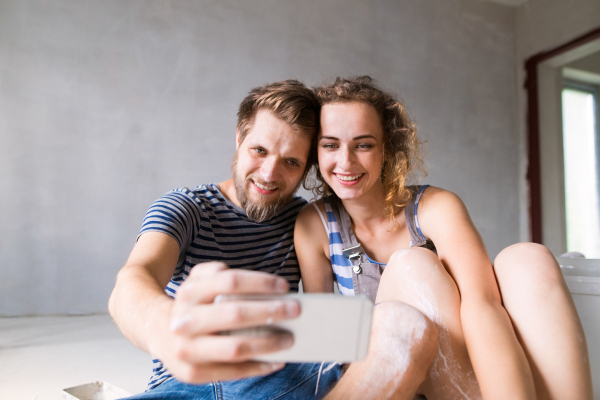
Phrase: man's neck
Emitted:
{"points": [[228, 190]]}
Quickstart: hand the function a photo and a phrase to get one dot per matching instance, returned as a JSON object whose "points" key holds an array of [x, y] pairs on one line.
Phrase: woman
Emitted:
{"points": [[509, 331]]}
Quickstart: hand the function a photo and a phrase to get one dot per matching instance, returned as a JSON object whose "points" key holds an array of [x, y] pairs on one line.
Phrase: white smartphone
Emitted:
{"points": [[330, 327]]}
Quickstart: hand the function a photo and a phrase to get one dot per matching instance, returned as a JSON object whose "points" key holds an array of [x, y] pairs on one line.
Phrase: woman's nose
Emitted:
{"points": [[345, 157]]}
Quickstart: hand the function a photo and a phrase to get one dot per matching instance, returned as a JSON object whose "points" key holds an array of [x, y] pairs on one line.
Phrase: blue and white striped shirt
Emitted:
{"points": [[208, 227]]}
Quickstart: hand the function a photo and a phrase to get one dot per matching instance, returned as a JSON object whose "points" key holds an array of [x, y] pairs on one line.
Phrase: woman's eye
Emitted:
{"points": [[260, 151], [365, 146], [329, 146]]}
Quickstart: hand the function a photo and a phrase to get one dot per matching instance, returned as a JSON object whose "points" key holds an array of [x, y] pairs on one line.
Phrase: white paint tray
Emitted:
{"points": [[98, 390]]}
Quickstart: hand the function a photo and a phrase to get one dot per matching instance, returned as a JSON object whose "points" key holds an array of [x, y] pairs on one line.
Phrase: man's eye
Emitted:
{"points": [[293, 163], [260, 151]]}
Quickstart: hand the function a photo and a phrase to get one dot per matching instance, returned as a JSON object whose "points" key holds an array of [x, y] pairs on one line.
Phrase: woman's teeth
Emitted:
{"points": [[349, 178], [263, 187]]}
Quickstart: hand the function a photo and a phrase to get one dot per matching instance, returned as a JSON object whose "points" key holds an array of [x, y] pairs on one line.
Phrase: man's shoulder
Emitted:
{"points": [[198, 191], [199, 194], [292, 209], [185, 201], [299, 200]]}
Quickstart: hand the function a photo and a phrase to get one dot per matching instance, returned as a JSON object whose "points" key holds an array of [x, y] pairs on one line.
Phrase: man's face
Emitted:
{"points": [[268, 165]]}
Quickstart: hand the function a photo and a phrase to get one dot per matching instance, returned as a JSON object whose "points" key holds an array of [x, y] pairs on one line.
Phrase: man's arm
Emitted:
{"points": [[181, 332]]}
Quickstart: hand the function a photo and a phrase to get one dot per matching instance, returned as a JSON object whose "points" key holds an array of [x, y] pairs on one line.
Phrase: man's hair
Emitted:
{"points": [[290, 100], [402, 158]]}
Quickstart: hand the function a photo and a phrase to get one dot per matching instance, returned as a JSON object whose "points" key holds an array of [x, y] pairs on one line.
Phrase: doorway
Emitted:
{"points": [[563, 172]]}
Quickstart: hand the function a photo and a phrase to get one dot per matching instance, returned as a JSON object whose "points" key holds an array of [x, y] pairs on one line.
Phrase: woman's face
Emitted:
{"points": [[350, 148]]}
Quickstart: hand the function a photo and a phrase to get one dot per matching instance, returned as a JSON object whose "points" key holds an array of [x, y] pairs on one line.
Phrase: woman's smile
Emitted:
{"points": [[349, 180]]}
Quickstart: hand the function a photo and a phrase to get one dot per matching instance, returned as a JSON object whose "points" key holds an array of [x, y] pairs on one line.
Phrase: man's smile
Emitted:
{"points": [[264, 189]]}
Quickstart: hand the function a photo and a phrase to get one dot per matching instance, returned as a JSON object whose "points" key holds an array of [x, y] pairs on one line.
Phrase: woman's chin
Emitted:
{"points": [[345, 194]]}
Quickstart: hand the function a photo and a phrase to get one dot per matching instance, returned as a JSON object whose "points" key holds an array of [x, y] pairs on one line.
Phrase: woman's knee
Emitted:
{"points": [[529, 264], [417, 276], [414, 263]]}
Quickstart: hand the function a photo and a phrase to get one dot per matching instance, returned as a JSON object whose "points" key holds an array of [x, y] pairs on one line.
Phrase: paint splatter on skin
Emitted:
{"points": [[397, 354], [274, 306], [178, 322], [402, 252], [450, 379]]}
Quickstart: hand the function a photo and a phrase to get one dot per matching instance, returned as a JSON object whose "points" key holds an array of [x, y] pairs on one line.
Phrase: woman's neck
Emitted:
{"points": [[367, 210]]}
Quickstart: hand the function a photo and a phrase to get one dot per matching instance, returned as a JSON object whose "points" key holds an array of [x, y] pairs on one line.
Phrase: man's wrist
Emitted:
{"points": [[157, 329]]}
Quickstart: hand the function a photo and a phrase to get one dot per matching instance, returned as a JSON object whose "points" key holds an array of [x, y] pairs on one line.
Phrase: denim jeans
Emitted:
{"points": [[294, 381]]}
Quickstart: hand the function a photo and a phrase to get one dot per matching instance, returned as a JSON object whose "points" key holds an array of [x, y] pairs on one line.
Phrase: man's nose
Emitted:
{"points": [[269, 169]]}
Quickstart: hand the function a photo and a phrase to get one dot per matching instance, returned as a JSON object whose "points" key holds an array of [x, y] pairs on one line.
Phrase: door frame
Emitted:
{"points": [[542, 72]]}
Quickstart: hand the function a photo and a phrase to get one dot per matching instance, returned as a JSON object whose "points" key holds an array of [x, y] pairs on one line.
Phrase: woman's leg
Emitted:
{"points": [[543, 314], [401, 349], [417, 277]]}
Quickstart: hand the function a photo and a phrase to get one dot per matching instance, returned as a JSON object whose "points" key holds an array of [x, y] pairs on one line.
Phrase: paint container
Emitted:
{"points": [[94, 391]]}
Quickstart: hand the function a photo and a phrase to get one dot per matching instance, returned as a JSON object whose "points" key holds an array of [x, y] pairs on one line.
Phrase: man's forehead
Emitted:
{"points": [[268, 127], [264, 116]]}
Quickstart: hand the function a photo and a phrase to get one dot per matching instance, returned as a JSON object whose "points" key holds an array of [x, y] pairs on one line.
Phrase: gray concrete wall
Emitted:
{"points": [[105, 106]]}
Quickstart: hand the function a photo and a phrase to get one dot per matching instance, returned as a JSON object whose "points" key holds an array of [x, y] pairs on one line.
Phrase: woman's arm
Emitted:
{"points": [[498, 359], [312, 248]]}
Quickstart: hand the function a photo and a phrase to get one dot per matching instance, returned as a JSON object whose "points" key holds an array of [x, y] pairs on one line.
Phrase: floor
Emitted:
{"points": [[40, 356]]}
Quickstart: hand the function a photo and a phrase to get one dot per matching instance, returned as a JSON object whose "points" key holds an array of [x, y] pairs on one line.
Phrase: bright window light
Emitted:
{"points": [[581, 172]]}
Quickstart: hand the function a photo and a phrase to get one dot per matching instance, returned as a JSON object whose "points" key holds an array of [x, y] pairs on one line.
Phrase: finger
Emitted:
{"points": [[207, 269], [231, 349], [198, 273], [204, 289], [205, 373], [233, 315]]}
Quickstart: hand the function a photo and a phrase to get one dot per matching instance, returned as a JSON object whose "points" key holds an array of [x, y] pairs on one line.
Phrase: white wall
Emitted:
{"points": [[105, 106]]}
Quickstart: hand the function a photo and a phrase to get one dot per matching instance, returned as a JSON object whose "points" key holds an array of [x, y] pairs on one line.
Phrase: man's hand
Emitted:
{"points": [[194, 352]]}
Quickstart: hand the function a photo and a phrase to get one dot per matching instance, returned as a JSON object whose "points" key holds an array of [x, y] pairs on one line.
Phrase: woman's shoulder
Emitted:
{"points": [[311, 223], [309, 214], [437, 204], [436, 196]]}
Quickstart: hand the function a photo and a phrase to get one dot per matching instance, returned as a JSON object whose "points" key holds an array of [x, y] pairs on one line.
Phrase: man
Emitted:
{"points": [[237, 238]]}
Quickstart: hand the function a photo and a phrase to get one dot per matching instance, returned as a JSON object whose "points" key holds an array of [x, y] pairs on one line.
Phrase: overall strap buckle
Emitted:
{"points": [[353, 254]]}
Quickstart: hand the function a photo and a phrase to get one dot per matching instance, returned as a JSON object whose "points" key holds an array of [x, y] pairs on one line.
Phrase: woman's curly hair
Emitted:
{"points": [[403, 159]]}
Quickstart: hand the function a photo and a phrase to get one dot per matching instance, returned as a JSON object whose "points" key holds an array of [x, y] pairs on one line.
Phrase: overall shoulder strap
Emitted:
{"points": [[410, 213], [346, 228], [345, 225], [352, 249]]}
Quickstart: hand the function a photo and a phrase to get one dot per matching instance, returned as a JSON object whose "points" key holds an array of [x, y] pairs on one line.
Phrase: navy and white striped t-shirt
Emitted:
{"points": [[210, 228]]}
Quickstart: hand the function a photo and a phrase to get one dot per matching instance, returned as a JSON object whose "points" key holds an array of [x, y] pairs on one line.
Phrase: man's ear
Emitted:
{"points": [[237, 138]]}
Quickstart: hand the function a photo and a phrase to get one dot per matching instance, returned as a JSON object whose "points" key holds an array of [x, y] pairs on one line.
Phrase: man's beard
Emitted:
{"points": [[258, 211]]}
